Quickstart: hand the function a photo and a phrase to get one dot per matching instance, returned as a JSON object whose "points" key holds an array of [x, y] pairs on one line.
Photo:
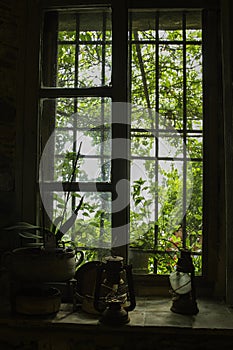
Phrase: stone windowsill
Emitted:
{"points": [[149, 314]]}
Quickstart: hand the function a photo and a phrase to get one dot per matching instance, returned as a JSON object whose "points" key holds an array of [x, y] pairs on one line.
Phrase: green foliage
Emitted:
{"points": [[156, 201]]}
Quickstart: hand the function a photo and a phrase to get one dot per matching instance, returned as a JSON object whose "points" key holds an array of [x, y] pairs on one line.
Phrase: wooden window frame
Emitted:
{"points": [[213, 279]]}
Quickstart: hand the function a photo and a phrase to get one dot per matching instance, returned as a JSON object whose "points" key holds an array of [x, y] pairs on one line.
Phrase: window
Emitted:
{"points": [[127, 97], [166, 144]]}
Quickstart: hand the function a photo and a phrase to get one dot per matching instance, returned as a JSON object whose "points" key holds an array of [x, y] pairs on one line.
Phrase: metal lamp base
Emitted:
{"points": [[114, 315], [185, 305]]}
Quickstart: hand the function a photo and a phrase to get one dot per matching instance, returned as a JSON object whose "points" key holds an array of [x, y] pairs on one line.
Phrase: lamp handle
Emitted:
{"points": [[80, 260], [128, 269], [99, 271]]}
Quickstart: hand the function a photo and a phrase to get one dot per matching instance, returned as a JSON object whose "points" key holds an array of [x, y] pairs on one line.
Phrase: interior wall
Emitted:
{"points": [[227, 59], [16, 116], [11, 12]]}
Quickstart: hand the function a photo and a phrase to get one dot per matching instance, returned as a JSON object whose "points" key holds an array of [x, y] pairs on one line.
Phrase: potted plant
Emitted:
{"points": [[139, 251], [45, 257]]}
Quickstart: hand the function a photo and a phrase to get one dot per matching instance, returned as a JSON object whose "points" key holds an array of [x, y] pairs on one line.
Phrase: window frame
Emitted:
{"points": [[209, 282]]}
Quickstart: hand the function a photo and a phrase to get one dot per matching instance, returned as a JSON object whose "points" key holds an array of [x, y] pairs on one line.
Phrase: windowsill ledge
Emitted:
{"points": [[150, 314]]}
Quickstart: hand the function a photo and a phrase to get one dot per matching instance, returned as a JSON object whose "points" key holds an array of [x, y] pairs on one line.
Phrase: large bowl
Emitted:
{"points": [[37, 301]]}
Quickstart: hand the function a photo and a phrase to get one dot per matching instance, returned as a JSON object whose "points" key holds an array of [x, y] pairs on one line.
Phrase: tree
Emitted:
{"points": [[167, 87]]}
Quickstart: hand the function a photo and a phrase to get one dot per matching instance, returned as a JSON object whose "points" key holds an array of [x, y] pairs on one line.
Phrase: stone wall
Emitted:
{"points": [[11, 44], [11, 12], [9, 51]]}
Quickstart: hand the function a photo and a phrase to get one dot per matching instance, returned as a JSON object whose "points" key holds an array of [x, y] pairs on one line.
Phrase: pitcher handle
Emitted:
{"points": [[80, 260]]}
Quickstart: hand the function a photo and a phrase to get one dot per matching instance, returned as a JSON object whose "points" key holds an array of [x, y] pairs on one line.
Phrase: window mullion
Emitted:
{"points": [[75, 126], [120, 129], [184, 131]]}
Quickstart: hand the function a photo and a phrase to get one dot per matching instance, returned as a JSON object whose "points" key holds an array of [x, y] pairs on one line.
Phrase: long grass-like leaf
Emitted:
{"points": [[67, 225], [29, 235], [23, 226], [34, 244], [55, 224], [59, 233]]}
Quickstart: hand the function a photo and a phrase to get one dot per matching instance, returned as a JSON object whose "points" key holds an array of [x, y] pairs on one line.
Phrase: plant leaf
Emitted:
{"points": [[55, 223], [24, 226], [67, 225], [29, 235], [35, 244]]}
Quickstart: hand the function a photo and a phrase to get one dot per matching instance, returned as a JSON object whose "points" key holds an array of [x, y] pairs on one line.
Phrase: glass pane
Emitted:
{"points": [[66, 66], [166, 262], [170, 197], [194, 25], [195, 146], [82, 125], [143, 76], [194, 216], [91, 58], [143, 117], [143, 24], [142, 143], [66, 35], [171, 145], [92, 225], [166, 92], [143, 210], [194, 212], [170, 25], [171, 84], [141, 261], [194, 87], [79, 51], [156, 198]]}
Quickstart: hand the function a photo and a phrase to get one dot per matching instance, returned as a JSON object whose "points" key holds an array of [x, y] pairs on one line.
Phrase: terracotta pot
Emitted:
{"points": [[43, 265], [139, 261]]}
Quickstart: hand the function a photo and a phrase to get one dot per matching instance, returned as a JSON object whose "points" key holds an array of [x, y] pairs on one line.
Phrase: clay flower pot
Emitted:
{"points": [[43, 265]]}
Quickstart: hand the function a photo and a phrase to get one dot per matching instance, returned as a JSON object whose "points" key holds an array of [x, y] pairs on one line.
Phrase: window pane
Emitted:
{"points": [[143, 75], [171, 145], [166, 92], [94, 65], [143, 205], [91, 229], [92, 225], [66, 66], [170, 25], [83, 123], [165, 89], [195, 146], [82, 50], [194, 87], [194, 212], [194, 25], [142, 143], [144, 24], [171, 84]]}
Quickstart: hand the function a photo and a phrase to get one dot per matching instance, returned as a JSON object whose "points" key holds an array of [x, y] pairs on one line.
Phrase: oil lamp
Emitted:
{"points": [[114, 292], [182, 284]]}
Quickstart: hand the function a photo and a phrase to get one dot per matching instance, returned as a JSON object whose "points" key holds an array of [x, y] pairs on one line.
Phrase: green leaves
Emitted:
{"points": [[22, 226], [157, 84], [29, 235]]}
